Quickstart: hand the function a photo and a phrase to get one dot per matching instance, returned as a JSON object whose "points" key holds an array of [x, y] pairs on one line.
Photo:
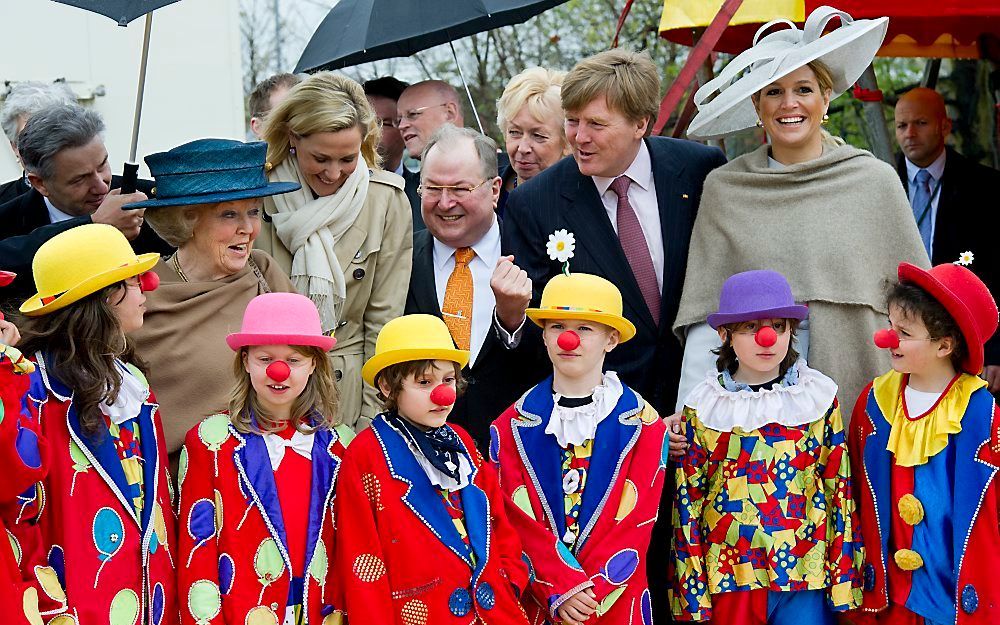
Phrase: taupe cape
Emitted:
{"points": [[836, 227], [183, 340]]}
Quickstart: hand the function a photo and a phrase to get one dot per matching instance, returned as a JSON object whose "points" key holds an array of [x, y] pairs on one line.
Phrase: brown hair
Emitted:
{"points": [[395, 375], [727, 360], [916, 303], [260, 98], [80, 344], [314, 409], [629, 81]]}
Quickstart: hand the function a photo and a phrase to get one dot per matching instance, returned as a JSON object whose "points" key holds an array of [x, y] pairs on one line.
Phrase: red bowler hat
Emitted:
{"points": [[966, 299]]}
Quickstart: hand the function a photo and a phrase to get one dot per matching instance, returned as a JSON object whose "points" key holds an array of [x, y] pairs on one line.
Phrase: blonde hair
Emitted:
{"points": [[538, 89], [824, 79], [175, 224], [314, 409], [629, 81], [324, 102]]}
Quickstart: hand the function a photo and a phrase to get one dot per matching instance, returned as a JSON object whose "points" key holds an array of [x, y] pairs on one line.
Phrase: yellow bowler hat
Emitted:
{"points": [[586, 297], [81, 261], [412, 337]]}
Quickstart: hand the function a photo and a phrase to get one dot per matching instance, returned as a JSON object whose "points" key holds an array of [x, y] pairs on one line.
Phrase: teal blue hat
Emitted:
{"points": [[207, 171]]}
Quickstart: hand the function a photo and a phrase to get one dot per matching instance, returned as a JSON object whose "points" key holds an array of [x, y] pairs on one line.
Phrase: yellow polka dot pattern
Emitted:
{"points": [[414, 612], [369, 567], [373, 490]]}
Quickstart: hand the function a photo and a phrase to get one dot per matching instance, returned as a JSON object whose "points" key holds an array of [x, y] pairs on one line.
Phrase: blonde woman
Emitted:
{"points": [[345, 238], [530, 115]]}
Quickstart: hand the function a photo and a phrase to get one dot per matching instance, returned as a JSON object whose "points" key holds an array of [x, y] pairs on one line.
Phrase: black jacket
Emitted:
{"points": [[967, 220]]}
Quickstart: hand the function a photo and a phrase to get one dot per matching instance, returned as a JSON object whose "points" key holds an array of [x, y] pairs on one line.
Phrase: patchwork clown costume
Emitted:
{"points": [[927, 486], [414, 548], [583, 476], [256, 508], [765, 529], [21, 459]]}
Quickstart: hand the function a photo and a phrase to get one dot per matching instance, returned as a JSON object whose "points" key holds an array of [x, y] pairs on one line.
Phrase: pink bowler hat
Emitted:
{"points": [[281, 319]]}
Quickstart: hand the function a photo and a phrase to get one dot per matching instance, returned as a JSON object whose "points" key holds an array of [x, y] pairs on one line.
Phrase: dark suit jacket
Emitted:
{"points": [[967, 220], [498, 377], [12, 189], [561, 197], [25, 226]]}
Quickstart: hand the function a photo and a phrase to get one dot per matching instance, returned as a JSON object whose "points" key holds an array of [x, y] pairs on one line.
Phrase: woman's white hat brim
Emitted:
{"points": [[847, 51]]}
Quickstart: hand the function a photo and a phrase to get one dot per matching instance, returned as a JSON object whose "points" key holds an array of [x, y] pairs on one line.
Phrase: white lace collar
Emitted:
{"points": [[131, 396], [723, 410], [577, 425]]}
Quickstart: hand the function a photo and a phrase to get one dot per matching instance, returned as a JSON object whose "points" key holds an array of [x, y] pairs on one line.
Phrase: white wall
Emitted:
{"points": [[193, 81]]}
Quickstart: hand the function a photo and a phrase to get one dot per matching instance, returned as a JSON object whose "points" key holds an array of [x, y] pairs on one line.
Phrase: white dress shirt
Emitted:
{"points": [[487, 251], [55, 215], [936, 170], [642, 197]]}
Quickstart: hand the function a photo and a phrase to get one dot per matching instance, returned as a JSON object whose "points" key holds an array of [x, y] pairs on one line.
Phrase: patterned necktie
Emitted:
{"points": [[920, 201], [634, 245], [457, 308]]}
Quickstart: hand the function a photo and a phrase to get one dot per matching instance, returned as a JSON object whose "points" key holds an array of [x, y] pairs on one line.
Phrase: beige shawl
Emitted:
{"points": [[183, 340], [836, 227]]}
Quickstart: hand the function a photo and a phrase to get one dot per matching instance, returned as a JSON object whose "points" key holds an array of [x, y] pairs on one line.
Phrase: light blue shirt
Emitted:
{"points": [[936, 170]]}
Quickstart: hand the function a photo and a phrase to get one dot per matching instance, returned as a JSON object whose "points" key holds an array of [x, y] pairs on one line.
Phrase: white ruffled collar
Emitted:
{"points": [[723, 410], [132, 394], [577, 425]]}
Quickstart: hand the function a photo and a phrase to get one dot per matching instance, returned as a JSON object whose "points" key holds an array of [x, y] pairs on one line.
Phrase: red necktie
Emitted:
{"points": [[634, 245]]}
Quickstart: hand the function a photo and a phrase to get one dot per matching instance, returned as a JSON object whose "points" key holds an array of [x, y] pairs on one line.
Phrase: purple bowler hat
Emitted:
{"points": [[760, 294]]}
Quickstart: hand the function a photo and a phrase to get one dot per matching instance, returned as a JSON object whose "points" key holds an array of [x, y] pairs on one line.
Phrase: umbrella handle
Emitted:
{"points": [[130, 173]]}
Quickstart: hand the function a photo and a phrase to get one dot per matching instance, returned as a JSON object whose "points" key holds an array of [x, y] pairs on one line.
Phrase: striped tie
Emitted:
{"points": [[634, 245]]}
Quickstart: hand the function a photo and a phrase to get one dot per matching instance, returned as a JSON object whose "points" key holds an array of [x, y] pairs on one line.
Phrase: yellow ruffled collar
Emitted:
{"points": [[913, 439]]}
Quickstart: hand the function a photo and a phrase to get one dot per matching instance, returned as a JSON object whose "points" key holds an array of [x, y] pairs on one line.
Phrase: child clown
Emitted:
{"points": [[423, 537], [582, 457]]}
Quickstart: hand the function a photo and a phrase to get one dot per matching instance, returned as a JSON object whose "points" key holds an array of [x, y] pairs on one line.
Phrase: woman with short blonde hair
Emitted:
{"points": [[345, 238]]}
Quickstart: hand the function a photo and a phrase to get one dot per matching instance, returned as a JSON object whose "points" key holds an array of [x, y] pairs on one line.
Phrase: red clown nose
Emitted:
{"points": [[568, 341], [278, 371], [149, 281], [886, 338], [766, 336], [443, 395]]}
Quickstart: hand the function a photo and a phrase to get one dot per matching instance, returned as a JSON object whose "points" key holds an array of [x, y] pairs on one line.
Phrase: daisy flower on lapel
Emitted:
{"points": [[560, 247], [965, 258]]}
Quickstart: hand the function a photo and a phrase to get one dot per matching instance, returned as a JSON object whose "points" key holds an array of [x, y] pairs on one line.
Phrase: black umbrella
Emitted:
{"points": [[123, 12], [360, 31]]}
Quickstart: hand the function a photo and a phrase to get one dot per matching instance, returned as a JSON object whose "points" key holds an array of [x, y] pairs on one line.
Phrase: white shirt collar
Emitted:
{"points": [[935, 169], [640, 171], [486, 247], [55, 215]]}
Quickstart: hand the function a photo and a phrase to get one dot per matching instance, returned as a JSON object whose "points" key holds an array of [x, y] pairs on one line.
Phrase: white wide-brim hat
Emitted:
{"points": [[847, 51]]}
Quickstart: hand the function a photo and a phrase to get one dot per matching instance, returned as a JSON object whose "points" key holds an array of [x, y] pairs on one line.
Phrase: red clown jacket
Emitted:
{"points": [[95, 559], [233, 564], [961, 485], [21, 459], [619, 506], [400, 558]]}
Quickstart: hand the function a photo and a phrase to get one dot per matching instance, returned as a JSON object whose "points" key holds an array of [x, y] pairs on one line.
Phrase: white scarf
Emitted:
{"points": [[310, 229], [576, 426]]}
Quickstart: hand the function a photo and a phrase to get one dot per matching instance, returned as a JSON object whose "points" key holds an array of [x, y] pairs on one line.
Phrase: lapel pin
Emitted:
{"points": [[684, 195]]}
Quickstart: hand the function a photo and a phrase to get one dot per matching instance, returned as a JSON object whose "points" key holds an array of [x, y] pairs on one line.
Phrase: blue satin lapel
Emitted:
{"points": [[421, 496], [324, 467], [542, 452], [476, 508], [976, 475], [257, 465], [150, 462], [878, 466], [612, 439], [104, 454]]}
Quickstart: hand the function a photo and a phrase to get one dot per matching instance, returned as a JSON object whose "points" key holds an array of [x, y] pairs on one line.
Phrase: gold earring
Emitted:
{"points": [[826, 118], [760, 124]]}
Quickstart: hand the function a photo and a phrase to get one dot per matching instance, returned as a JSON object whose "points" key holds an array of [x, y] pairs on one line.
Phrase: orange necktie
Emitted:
{"points": [[457, 308]]}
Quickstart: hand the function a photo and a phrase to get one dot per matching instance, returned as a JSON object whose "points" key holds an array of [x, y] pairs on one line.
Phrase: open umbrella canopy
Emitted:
{"points": [[121, 11], [924, 28], [360, 31]]}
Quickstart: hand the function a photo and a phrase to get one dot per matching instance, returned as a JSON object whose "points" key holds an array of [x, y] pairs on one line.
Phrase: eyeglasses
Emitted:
{"points": [[412, 115], [434, 191]]}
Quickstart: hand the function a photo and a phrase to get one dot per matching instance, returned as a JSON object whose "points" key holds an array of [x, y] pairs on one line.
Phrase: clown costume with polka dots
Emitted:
{"points": [[765, 530], [423, 538], [582, 460], [257, 483], [925, 446], [98, 531]]}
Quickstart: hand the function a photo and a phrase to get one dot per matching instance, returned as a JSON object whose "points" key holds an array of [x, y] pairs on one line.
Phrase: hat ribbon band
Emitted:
{"points": [[204, 182], [576, 309], [48, 300]]}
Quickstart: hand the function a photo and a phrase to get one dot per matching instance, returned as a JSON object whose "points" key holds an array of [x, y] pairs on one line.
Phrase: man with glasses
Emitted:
{"points": [[459, 275], [383, 94]]}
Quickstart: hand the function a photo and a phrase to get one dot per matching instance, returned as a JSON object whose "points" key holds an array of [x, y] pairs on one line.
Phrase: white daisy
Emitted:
{"points": [[965, 258], [561, 245]]}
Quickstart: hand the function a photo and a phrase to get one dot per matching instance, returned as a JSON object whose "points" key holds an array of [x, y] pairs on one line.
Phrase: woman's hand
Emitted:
{"points": [[578, 608], [678, 439], [8, 333]]}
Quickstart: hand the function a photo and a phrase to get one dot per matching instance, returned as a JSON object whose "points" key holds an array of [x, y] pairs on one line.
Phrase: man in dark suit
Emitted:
{"points": [[67, 164], [459, 275], [630, 202], [949, 194]]}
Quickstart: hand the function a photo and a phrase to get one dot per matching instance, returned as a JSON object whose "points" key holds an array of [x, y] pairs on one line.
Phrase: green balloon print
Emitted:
{"points": [[182, 467], [124, 608], [319, 564], [204, 601], [214, 431], [267, 562], [15, 547]]}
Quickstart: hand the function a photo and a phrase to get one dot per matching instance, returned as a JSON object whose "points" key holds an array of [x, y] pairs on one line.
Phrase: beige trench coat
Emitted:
{"points": [[376, 254]]}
